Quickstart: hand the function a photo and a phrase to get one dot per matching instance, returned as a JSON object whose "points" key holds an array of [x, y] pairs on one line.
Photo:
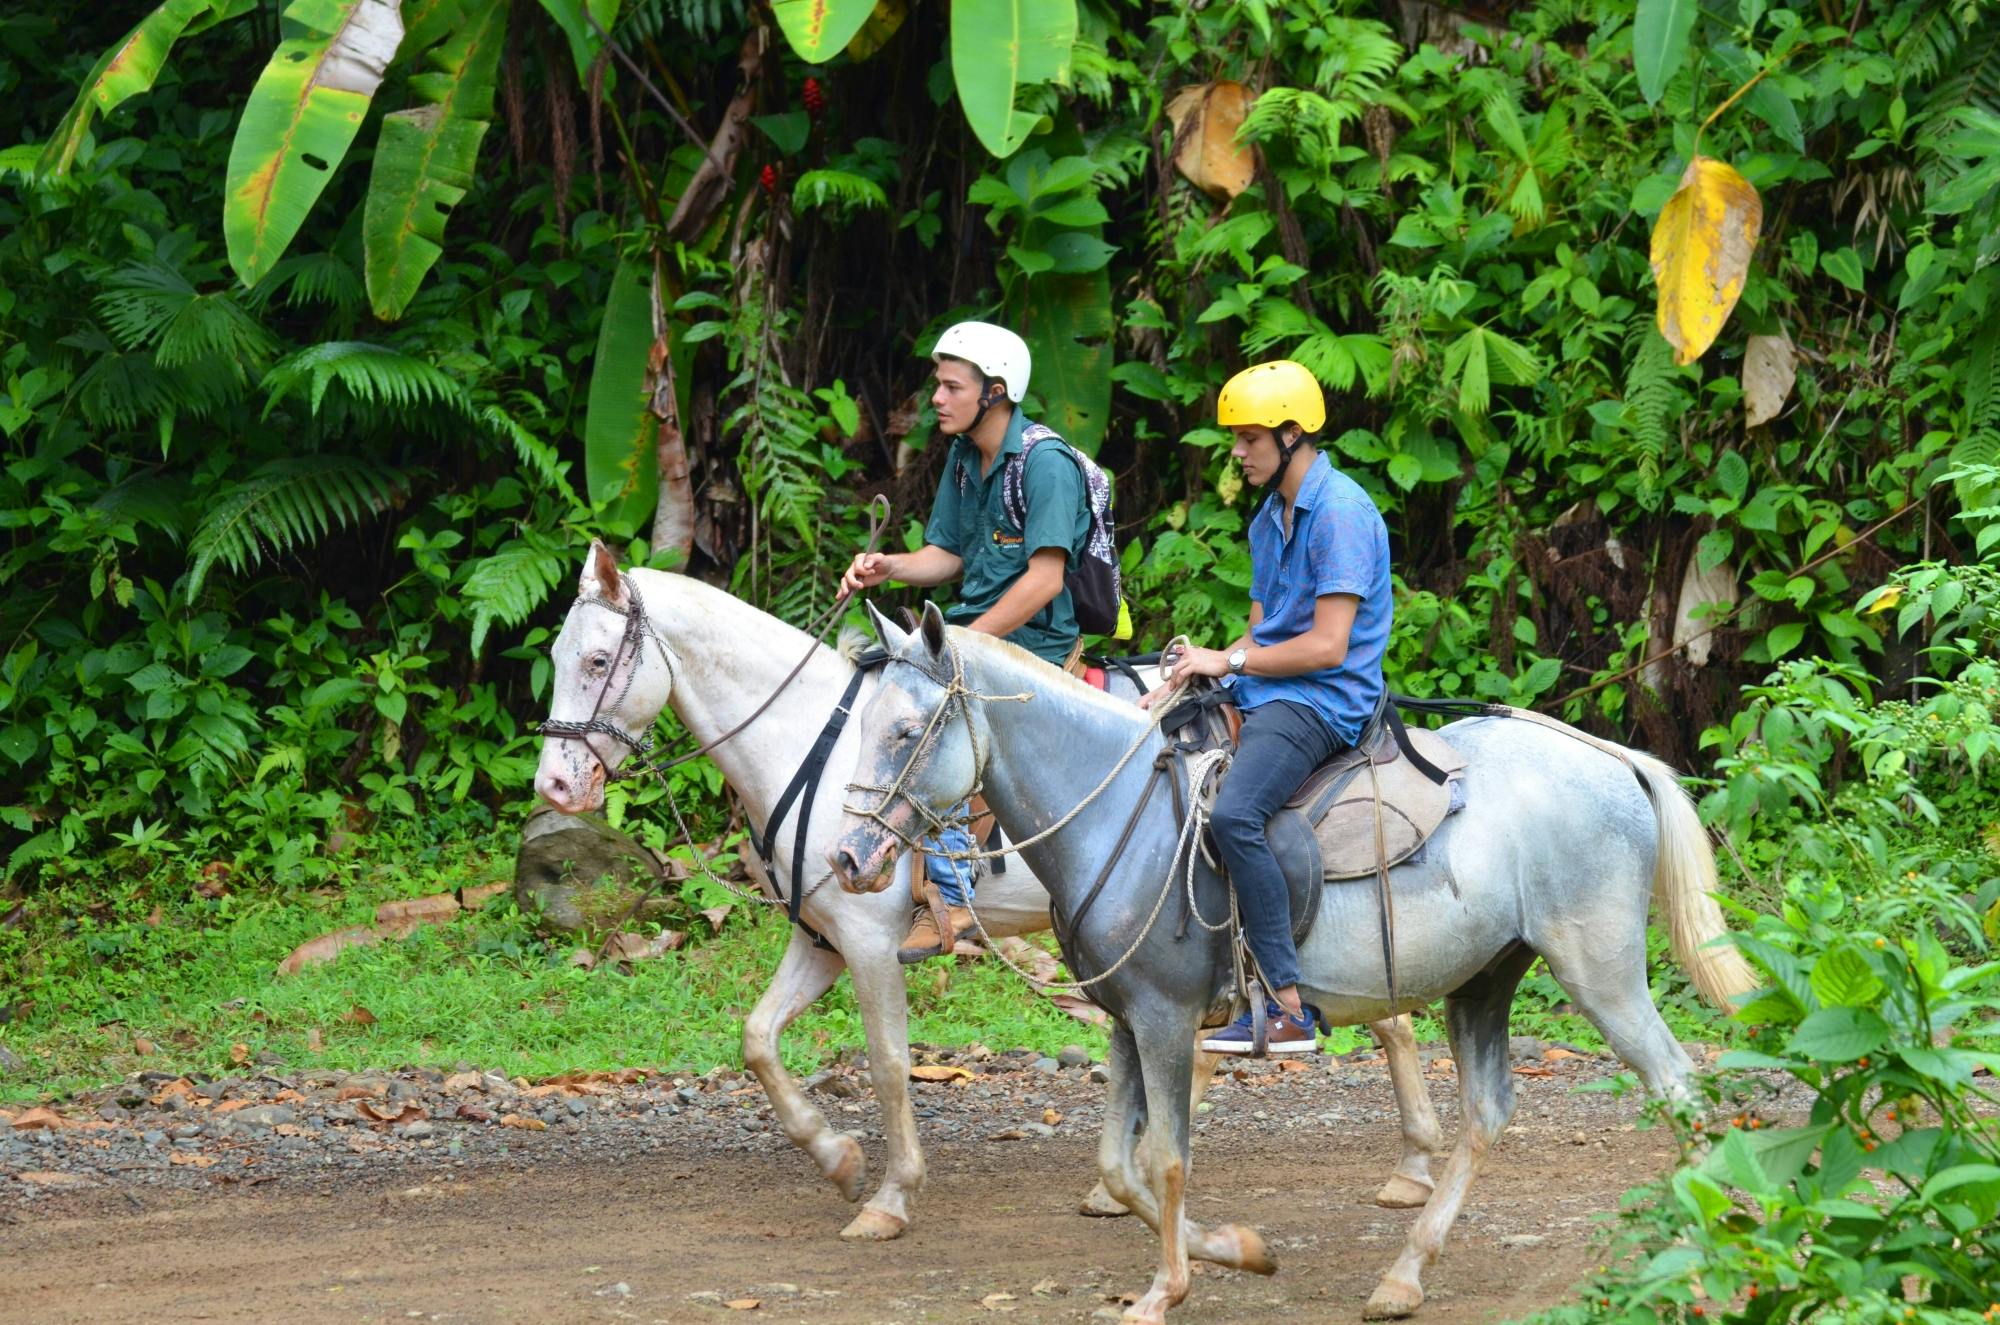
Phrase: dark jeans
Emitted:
{"points": [[1282, 742]]}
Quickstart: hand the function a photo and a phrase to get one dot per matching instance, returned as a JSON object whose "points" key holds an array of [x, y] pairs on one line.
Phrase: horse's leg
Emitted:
{"points": [[805, 973], [885, 1014], [1615, 998], [1476, 1019], [1122, 1155], [1101, 1204], [1166, 1062], [1410, 1185]]}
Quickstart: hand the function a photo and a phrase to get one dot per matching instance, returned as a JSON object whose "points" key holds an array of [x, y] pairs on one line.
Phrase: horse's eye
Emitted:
{"points": [[906, 733], [599, 661]]}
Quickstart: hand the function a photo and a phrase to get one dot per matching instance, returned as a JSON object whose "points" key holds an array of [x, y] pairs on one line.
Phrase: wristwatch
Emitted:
{"points": [[1237, 659]]}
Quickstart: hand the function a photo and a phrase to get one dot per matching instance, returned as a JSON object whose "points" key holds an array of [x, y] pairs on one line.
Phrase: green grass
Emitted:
{"points": [[97, 967]]}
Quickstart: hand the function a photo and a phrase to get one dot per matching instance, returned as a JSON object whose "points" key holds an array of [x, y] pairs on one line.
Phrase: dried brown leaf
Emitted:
{"points": [[715, 915], [939, 1072], [359, 1016], [328, 946], [40, 1118], [1769, 370], [743, 1303], [1205, 118], [523, 1122]]}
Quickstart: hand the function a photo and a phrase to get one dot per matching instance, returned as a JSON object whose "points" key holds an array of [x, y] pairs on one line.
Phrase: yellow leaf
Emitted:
{"points": [[1890, 597], [1205, 119], [1701, 253]]}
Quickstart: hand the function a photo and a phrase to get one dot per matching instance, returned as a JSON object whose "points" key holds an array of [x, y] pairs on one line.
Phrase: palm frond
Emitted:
{"points": [[312, 278], [843, 190], [536, 456], [287, 504], [157, 500]]}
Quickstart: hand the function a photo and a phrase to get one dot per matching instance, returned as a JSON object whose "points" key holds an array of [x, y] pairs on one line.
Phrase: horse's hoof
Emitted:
{"points": [[1101, 1204], [1403, 1192], [1144, 1312], [873, 1225], [1250, 1252], [1393, 1300], [849, 1168]]}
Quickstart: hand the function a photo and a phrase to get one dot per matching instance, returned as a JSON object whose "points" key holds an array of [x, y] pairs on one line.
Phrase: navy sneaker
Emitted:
{"points": [[1284, 1034]]}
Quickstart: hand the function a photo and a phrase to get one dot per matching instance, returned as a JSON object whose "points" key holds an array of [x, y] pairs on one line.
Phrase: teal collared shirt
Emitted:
{"points": [[970, 520]]}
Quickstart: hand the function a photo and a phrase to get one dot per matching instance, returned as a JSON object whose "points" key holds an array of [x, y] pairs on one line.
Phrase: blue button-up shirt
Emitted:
{"points": [[1338, 544]]}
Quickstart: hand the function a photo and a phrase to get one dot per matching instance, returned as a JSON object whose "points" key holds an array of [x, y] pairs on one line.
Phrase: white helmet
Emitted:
{"points": [[994, 351]]}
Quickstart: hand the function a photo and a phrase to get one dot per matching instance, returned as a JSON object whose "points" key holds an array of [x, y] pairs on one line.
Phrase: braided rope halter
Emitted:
{"points": [[638, 629]]}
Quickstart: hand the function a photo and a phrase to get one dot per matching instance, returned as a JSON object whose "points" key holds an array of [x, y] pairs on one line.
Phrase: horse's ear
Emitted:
{"points": [[892, 635], [600, 577], [933, 630]]}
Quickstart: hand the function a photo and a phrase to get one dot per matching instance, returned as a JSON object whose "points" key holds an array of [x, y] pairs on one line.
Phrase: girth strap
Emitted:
{"points": [[802, 788]]}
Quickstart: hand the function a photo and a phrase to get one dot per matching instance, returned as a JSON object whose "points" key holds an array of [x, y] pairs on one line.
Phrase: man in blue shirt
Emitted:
{"points": [[1307, 674]]}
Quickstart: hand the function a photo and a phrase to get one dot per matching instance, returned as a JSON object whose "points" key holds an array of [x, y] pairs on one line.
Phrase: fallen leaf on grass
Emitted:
{"points": [[458, 1081], [40, 1118], [484, 893], [315, 1041], [239, 1054], [939, 1072], [626, 947], [523, 1122], [623, 1076], [328, 946], [1533, 1071], [362, 1090], [143, 1046], [1557, 1055], [424, 910], [715, 915], [744, 1303], [359, 1016]]}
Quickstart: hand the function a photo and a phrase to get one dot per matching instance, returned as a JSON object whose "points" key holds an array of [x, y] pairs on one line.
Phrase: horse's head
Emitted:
{"points": [[920, 753], [612, 679]]}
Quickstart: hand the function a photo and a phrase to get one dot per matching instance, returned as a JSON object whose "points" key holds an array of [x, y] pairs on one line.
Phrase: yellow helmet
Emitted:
{"points": [[1272, 394]]}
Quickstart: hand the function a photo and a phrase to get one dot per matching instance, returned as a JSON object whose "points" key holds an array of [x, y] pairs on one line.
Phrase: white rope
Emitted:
{"points": [[1199, 808]]}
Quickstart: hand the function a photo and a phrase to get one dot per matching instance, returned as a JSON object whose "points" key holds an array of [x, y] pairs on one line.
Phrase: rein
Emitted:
{"points": [[638, 628], [959, 696]]}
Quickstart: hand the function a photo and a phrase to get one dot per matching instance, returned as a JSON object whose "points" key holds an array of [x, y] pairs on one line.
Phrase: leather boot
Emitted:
{"points": [[936, 929]]}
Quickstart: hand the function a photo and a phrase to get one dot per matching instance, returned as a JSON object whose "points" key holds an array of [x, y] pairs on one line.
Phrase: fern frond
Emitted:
{"points": [[1308, 121], [646, 20], [1356, 56], [1649, 395], [284, 505], [509, 585], [371, 374], [844, 190], [536, 456], [157, 500]]}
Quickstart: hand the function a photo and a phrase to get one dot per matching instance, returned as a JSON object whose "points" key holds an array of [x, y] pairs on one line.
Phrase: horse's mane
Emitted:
{"points": [[1044, 675]]}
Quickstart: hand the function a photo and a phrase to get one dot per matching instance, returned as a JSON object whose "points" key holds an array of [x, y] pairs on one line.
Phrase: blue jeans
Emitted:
{"points": [[1282, 742], [954, 878]]}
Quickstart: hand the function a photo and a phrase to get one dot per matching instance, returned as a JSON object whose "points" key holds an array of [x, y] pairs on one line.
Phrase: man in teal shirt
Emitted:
{"points": [[1011, 572]]}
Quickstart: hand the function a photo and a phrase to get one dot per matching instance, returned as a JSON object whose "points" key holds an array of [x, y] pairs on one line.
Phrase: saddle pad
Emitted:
{"points": [[1342, 812]]}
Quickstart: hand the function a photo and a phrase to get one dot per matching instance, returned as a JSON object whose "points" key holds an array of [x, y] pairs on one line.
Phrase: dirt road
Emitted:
{"points": [[666, 1202]]}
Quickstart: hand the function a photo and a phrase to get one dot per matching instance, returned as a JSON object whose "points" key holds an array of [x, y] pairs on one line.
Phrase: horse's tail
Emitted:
{"points": [[1684, 885]]}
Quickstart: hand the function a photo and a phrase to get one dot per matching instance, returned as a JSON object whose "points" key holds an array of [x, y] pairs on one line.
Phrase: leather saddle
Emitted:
{"points": [[1327, 831]]}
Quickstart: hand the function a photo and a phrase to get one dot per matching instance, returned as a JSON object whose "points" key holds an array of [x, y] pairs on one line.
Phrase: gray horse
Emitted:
{"points": [[1563, 841]]}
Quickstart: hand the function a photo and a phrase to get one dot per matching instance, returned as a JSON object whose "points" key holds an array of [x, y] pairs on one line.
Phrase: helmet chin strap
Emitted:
{"points": [[993, 395], [1286, 450]]}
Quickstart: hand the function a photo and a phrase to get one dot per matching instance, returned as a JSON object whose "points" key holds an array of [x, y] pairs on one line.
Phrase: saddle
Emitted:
{"points": [[1329, 829]]}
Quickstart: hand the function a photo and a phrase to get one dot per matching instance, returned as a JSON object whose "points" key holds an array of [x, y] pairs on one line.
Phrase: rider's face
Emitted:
{"points": [[1257, 451], [956, 397]]}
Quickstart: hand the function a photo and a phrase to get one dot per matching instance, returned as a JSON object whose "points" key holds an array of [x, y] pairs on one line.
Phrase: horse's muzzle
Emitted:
{"points": [[862, 869]]}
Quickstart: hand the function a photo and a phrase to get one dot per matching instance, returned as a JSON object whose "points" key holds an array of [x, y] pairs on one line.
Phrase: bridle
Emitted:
{"points": [[957, 699], [638, 629]]}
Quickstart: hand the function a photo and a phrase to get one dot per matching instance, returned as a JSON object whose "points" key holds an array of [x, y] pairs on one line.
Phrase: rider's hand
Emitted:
{"points": [[1200, 662], [869, 569]]}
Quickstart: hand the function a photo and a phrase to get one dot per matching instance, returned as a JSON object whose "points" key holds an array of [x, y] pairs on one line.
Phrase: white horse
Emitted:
{"points": [[715, 658], [1563, 843]]}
